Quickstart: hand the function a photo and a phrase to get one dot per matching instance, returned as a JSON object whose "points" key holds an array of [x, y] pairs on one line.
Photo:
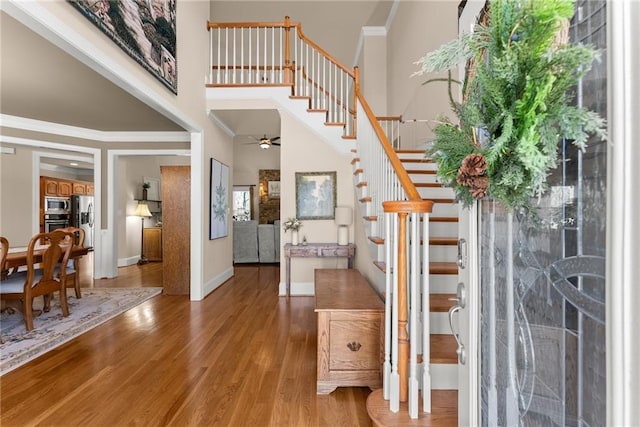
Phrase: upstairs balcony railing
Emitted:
{"points": [[279, 54]]}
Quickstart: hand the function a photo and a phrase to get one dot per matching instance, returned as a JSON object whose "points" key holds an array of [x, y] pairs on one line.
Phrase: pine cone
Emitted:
{"points": [[479, 186], [473, 165], [464, 179]]}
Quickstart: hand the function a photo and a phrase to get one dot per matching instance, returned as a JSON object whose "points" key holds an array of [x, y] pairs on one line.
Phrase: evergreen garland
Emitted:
{"points": [[517, 105]]}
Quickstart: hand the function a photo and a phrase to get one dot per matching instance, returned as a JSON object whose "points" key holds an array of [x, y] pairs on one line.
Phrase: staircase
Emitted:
{"points": [[410, 219]]}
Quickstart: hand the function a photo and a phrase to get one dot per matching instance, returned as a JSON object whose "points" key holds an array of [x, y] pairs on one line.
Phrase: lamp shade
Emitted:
{"points": [[343, 215], [142, 210]]}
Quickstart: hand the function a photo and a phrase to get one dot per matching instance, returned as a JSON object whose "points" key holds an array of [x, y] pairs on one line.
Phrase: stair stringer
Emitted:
{"points": [[279, 98]]}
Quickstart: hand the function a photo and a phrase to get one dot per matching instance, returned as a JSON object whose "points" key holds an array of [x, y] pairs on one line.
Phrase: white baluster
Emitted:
{"points": [[233, 69], [273, 54], [386, 368], [210, 56], [413, 318], [426, 325], [249, 71], [242, 31], [394, 401], [282, 71], [264, 57]]}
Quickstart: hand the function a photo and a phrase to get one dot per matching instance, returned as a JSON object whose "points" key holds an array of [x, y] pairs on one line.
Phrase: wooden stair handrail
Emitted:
{"points": [[408, 186], [211, 25], [324, 52]]}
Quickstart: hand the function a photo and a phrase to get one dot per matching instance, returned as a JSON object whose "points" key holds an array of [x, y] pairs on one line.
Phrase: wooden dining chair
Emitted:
{"points": [[42, 281], [4, 249], [73, 266]]}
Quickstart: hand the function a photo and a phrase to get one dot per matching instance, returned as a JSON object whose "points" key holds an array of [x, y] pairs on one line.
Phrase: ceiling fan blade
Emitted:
{"points": [[275, 138], [275, 143]]}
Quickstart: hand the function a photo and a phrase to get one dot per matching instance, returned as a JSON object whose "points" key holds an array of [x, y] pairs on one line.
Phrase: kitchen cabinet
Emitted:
{"points": [[50, 186], [79, 188], [58, 187], [152, 240], [65, 188]]}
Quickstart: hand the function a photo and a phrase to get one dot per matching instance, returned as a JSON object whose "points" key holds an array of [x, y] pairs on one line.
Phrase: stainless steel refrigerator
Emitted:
{"points": [[82, 216]]}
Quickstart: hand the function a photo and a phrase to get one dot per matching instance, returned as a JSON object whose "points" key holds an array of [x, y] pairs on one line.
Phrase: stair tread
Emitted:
{"points": [[428, 184], [435, 267], [440, 200], [444, 410], [425, 160], [421, 172], [441, 303], [409, 151], [443, 349], [435, 241]]}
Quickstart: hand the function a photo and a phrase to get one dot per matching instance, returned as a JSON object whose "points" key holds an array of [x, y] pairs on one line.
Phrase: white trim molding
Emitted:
{"points": [[90, 134], [623, 207]]}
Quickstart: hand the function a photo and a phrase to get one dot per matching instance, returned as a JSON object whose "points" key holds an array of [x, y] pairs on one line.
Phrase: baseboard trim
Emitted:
{"points": [[298, 289], [218, 280], [125, 262]]}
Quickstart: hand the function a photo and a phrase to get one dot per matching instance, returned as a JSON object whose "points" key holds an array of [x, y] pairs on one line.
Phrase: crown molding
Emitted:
{"points": [[221, 125], [32, 125]]}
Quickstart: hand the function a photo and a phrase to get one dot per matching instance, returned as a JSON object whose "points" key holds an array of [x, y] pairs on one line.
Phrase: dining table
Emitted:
{"points": [[17, 257]]}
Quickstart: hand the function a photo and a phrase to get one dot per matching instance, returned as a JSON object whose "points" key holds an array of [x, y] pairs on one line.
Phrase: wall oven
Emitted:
{"points": [[57, 205], [55, 221]]}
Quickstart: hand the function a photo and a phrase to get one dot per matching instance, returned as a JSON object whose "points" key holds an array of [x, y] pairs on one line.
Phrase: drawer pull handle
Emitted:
{"points": [[354, 346]]}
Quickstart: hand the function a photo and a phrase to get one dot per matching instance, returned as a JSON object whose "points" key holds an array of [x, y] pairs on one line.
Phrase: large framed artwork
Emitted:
{"points": [[145, 29], [218, 218], [315, 195]]}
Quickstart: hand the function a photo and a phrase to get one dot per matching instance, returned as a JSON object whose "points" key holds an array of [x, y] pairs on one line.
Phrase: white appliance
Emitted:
{"points": [[82, 210]]}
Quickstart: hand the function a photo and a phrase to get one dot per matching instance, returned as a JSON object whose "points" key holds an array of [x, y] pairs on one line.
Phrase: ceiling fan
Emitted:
{"points": [[265, 143]]}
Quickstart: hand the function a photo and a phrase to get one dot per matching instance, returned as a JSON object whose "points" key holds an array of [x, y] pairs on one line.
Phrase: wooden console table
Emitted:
{"points": [[311, 250]]}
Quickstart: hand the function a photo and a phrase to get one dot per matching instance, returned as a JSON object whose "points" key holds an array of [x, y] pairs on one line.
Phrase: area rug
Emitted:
{"points": [[52, 329]]}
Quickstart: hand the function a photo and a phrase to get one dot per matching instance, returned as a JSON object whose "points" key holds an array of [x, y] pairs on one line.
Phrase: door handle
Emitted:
{"points": [[462, 253], [462, 357]]}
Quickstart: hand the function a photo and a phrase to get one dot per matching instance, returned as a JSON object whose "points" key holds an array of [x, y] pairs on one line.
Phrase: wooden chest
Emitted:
{"points": [[350, 331]]}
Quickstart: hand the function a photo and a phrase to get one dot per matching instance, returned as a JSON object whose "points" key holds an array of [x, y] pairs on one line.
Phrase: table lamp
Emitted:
{"points": [[343, 219], [142, 210]]}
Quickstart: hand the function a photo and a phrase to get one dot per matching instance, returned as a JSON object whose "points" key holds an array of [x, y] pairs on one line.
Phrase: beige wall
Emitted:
{"points": [[334, 26], [187, 108], [373, 73], [418, 28], [304, 152], [16, 197]]}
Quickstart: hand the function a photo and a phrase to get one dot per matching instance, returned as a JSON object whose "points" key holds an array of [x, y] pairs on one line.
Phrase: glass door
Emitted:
{"points": [[543, 280]]}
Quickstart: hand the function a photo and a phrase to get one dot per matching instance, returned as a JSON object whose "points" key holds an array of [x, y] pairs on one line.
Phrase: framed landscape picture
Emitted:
{"points": [[315, 195], [218, 226], [145, 29]]}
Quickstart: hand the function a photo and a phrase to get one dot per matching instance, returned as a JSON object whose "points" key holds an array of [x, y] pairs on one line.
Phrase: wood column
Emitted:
{"points": [[176, 229]]}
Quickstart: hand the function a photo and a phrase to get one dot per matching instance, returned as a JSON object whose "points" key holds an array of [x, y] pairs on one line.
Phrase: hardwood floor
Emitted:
{"points": [[241, 357]]}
